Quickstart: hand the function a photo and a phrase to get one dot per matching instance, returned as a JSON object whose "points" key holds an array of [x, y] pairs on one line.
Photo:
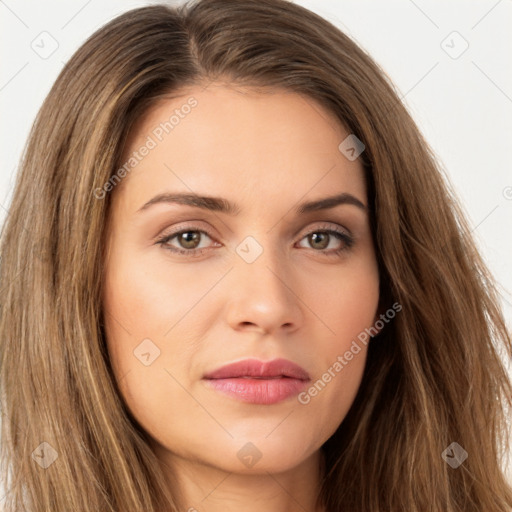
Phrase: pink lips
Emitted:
{"points": [[259, 382]]}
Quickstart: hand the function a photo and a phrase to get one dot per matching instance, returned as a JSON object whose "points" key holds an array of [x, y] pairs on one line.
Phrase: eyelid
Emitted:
{"points": [[187, 226], [328, 226], [194, 226], [342, 234]]}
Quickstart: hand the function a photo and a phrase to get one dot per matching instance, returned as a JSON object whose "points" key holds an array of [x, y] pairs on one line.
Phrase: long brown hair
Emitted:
{"points": [[433, 376]]}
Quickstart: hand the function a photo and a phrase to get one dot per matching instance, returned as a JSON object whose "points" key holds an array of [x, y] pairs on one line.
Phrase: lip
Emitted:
{"points": [[259, 382]]}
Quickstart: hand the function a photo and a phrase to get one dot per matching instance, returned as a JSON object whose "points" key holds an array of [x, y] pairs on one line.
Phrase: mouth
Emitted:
{"points": [[259, 382]]}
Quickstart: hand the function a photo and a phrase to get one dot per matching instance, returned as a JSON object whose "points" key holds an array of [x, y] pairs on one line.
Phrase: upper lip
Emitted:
{"points": [[256, 368]]}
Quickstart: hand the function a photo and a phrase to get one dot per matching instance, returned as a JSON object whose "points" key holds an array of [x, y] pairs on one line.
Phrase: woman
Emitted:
{"points": [[242, 365]]}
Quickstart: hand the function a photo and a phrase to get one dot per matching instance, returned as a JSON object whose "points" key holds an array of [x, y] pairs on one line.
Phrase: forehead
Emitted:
{"points": [[254, 143]]}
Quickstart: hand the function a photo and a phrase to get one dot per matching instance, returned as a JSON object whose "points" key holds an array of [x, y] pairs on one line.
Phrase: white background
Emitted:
{"points": [[463, 105]]}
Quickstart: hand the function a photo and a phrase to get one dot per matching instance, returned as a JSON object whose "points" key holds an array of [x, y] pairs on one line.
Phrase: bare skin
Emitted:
{"points": [[298, 300]]}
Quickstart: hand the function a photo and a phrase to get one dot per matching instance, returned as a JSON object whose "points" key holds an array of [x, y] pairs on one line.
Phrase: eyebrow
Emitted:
{"points": [[219, 204]]}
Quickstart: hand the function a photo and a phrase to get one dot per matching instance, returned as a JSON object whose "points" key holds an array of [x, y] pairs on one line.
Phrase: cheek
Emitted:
{"points": [[346, 302], [147, 308], [136, 310], [348, 310], [149, 301], [332, 391]]}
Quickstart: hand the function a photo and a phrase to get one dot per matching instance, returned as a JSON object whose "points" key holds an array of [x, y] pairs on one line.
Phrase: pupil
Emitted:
{"points": [[315, 237], [189, 237]]}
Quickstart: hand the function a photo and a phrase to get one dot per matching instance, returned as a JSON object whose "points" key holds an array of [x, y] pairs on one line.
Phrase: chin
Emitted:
{"points": [[260, 455]]}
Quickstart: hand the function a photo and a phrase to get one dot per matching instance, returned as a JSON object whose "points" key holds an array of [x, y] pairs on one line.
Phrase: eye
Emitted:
{"points": [[320, 239], [189, 241]]}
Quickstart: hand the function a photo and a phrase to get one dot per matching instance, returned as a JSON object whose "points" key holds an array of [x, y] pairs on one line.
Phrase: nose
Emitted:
{"points": [[264, 294]]}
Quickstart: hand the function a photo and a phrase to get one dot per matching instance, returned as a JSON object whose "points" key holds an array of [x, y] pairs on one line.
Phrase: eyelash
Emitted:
{"points": [[347, 240]]}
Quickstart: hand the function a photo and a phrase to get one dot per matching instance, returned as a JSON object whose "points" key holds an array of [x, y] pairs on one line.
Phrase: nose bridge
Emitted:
{"points": [[262, 261], [263, 295]]}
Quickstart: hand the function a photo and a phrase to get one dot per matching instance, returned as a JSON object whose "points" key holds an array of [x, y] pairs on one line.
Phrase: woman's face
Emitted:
{"points": [[261, 280]]}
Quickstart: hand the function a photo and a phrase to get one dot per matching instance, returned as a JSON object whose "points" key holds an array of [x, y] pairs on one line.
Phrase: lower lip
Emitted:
{"points": [[259, 391]]}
